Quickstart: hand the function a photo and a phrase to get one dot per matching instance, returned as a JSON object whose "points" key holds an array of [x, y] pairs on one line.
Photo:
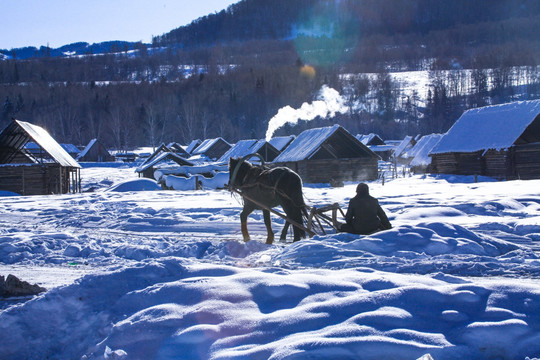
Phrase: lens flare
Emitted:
{"points": [[322, 37], [308, 71]]}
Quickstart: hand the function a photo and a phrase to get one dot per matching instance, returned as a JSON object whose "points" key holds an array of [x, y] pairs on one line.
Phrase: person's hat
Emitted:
{"points": [[362, 189]]}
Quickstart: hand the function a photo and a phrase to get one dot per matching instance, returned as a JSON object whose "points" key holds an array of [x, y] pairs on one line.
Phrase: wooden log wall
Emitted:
{"points": [[519, 162], [39, 179], [325, 171], [497, 164], [470, 164], [444, 163], [527, 161], [458, 163], [23, 180]]}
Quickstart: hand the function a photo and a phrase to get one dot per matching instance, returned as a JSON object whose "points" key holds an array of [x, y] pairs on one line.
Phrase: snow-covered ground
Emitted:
{"points": [[165, 275]]}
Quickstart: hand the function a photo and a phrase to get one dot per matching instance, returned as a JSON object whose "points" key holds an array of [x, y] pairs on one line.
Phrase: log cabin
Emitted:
{"points": [[500, 141], [329, 154], [50, 171]]}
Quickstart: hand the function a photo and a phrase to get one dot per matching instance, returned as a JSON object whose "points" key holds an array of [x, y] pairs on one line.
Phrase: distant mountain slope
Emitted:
{"points": [[280, 19], [79, 48], [352, 23]]}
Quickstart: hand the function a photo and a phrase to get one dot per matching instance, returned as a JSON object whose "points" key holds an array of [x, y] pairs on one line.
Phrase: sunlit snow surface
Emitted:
{"points": [[165, 275]]}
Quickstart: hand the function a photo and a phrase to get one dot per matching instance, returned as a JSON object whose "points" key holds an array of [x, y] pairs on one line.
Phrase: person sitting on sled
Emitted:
{"points": [[364, 214]]}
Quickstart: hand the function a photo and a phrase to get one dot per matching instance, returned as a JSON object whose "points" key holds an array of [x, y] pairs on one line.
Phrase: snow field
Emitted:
{"points": [[164, 274]]}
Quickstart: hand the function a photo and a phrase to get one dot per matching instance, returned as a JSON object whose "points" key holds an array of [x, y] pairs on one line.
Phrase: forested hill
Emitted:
{"points": [[402, 67], [281, 19], [374, 30]]}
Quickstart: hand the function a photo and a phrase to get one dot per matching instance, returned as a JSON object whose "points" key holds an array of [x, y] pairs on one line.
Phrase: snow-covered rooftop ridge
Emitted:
{"points": [[306, 144], [70, 148], [193, 145], [491, 127], [366, 139], [86, 149], [421, 144], [42, 137], [280, 142], [241, 148], [258, 145], [206, 145], [422, 157], [403, 145], [161, 157]]}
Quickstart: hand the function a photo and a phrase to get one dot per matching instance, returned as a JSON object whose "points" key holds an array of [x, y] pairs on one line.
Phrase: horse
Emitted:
{"points": [[269, 188]]}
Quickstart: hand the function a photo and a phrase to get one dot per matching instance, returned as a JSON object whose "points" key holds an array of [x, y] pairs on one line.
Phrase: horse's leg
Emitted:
{"points": [[295, 213], [268, 223], [243, 221], [283, 236], [298, 233]]}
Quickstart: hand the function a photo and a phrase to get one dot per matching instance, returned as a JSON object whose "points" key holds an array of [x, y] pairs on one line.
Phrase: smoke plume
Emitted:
{"points": [[328, 103]]}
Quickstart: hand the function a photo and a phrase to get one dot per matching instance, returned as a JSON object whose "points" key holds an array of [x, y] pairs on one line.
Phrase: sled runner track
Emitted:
{"points": [[521, 240], [189, 234], [191, 231]]}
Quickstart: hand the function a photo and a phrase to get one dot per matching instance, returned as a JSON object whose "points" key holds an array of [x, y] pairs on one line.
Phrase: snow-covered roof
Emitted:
{"points": [[206, 145], [49, 145], [163, 157], [178, 149], [281, 142], [307, 144], [86, 149], [427, 143], [199, 159], [491, 127], [239, 149], [371, 139], [413, 151], [70, 148], [193, 145], [258, 145], [381, 148], [160, 150], [403, 145]]}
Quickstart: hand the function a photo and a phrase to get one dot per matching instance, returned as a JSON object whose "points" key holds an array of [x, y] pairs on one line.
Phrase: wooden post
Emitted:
{"points": [[60, 186], [23, 182]]}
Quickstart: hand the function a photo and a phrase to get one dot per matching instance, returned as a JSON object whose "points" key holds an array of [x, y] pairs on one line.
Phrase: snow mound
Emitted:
{"points": [[136, 185], [8, 193], [177, 309]]}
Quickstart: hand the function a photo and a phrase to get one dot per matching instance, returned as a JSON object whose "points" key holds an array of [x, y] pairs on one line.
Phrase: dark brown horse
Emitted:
{"points": [[279, 186]]}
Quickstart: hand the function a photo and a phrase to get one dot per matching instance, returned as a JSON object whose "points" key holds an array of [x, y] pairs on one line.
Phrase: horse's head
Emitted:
{"points": [[237, 170]]}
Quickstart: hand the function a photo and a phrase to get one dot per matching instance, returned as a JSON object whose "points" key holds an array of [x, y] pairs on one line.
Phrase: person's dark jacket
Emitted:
{"points": [[365, 215]]}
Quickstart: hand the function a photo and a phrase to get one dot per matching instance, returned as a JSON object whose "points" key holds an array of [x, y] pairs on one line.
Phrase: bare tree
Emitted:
{"points": [[189, 116]]}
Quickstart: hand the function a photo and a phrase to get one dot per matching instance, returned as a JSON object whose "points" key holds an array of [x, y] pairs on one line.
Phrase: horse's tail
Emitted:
{"points": [[305, 214], [303, 207]]}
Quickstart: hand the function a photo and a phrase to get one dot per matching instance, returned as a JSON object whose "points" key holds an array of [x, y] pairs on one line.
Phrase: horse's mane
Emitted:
{"points": [[246, 168]]}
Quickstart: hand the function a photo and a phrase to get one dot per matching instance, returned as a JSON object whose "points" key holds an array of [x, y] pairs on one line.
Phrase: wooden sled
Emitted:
{"points": [[318, 214]]}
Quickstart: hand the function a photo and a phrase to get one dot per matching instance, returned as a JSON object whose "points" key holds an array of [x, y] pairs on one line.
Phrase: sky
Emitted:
{"points": [[61, 22]]}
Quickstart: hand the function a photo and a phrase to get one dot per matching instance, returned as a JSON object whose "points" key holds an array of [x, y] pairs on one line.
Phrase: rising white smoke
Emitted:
{"points": [[328, 103]]}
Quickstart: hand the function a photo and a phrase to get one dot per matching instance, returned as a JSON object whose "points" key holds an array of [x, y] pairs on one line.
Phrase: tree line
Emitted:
{"points": [[238, 103], [225, 76]]}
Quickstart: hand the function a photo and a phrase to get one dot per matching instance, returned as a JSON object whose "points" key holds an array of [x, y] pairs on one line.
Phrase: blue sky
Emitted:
{"points": [[61, 22]]}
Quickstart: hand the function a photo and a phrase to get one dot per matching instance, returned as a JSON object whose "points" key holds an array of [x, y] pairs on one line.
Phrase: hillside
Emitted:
{"points": [[342, 32], [402, 68]]}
